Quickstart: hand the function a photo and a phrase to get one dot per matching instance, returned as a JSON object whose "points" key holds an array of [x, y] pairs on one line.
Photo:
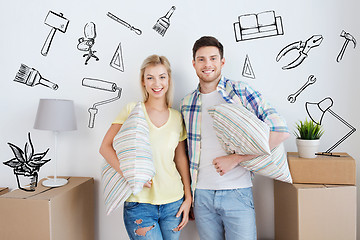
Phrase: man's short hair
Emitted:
{"points": [[208, 41]]}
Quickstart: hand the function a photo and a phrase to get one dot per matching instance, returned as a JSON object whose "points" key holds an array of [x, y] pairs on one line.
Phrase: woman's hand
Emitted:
{"points": [[184, 210], [148, 184]]}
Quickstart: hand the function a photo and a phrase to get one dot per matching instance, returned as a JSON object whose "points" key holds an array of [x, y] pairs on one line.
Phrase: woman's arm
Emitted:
{"points": [[182, 165], [107, 150]]}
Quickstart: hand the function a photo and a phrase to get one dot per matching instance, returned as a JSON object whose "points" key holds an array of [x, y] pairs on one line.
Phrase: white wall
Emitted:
{"points": [[23, 33]]}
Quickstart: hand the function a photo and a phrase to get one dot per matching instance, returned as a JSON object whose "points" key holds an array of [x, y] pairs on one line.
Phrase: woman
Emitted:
{"points": [[161, 209]]}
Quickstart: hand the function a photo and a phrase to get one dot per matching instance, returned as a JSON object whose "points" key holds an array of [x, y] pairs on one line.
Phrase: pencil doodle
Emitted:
{"points": [[163, 23], [302, 47], [101, 85], [292, 97], [247, 69], [86, 43], [252, 26], [57, 22], [348, 37], [117, 59], [31, 77], [117, 19], [26, 164]]}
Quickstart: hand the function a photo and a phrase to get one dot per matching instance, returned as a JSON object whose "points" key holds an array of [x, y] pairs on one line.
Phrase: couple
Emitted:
{"points": [[220, 190]]}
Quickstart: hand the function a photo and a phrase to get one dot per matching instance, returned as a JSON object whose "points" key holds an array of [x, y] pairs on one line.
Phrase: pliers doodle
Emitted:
{"points": [[303, 47]]}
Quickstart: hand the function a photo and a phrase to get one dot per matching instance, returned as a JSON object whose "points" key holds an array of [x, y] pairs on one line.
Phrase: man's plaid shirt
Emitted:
{"points": [[232, 92]]}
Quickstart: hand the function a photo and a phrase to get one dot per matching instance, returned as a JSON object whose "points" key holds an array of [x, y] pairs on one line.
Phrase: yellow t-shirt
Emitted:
{"points": [[166, 186]]}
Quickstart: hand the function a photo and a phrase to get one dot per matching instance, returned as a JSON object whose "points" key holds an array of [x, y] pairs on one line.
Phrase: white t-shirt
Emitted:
{"points": [[208, 178]]}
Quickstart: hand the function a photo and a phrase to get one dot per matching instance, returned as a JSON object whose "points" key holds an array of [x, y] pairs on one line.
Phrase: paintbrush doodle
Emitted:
{"points": [[302, 47], [292, 97], [26, 164], [122, 22], [117, 59], [247, 69], [101, 85], [31, 77], [86, 43], [252, 26], [348, 38], [57, 22], [163, 23]]}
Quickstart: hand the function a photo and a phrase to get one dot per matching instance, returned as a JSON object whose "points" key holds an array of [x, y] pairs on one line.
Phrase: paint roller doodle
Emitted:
{"points": [[31, 77], [102, 85], [56, 22]]}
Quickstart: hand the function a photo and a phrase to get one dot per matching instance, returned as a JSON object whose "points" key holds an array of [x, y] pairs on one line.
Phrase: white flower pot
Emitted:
{"points": [[307, 148]]}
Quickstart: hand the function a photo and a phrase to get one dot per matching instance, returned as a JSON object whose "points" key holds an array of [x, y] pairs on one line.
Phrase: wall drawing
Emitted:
{"points": [[86, 43], [292, 97], [26, 164], [122, 22], [247, 69], [101, 85], [117, 59], [57, 22], [348, 38], [253, 26], [163, 23], [31, 77], [302, 47]]}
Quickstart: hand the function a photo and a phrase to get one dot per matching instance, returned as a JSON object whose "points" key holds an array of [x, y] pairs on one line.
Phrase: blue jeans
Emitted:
{"points": [[152, 222], [225, 214]]}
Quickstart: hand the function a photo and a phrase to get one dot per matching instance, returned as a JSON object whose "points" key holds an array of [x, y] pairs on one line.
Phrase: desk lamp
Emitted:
{"points": [[56, 115], [316, 112]]}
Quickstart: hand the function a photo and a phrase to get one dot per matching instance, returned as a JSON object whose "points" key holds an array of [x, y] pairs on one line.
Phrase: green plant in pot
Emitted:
{"points": [[26, 165], [308, 136]]}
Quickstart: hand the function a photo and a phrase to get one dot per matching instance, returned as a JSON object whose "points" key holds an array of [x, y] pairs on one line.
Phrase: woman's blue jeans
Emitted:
{"points": [[225, 214], [152, 222]]}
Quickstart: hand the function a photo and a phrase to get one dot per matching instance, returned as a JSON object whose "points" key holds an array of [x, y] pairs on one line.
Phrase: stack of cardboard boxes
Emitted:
{"points": [[321, 202], [62, 213]]}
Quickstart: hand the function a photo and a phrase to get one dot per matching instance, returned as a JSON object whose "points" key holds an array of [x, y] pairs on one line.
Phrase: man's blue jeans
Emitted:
{"points": [[152, 222], [225, 214]]}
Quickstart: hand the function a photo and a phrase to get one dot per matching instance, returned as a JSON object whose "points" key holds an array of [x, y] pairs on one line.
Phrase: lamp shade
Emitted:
{"points": [[55, 115], [316, 111]]}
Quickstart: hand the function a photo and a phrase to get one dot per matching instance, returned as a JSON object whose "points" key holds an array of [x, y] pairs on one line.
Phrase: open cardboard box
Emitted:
{"points": [[323, 169], [314, 212], [65, 212]]}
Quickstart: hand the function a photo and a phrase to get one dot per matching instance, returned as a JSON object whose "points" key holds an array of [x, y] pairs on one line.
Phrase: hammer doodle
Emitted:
{"points": [[163, 23], [302, 47], [252, 26], [117, 59], [101, 85], [31, 77], [348, 37], [26, 165], [86, 43], [292, 97], [122, 22], [57, 22]]}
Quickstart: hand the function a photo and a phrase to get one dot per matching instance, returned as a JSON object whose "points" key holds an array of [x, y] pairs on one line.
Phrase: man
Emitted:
{"points": [[222, 189]]}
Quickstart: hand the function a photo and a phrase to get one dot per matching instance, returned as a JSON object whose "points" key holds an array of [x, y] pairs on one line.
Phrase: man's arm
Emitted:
{"points": [[225, 163]]}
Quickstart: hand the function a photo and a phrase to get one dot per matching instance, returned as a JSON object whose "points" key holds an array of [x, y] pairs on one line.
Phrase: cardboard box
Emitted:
{"points": [[322, 169], [65, 212], [314, 212], [3, 190]]}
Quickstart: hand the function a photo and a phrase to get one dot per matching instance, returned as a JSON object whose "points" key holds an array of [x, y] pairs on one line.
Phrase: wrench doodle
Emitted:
{"points": [[292, 97]]}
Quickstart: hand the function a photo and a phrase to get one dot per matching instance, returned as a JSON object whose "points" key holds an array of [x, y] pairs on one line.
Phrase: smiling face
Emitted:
{"points": [[208, 65], [156, 81]]}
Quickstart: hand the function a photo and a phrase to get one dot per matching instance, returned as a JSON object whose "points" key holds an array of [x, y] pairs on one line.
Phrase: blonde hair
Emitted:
{"points": [[154, 60]]}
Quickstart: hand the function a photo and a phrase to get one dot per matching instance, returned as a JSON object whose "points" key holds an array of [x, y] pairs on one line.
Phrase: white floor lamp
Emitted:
{"points": [[56, 115]]}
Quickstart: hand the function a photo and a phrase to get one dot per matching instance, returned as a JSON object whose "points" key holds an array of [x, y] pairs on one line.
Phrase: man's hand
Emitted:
{"points": [[225, 163]]}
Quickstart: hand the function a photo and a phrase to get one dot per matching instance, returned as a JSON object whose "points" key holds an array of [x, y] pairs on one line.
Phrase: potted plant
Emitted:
{"points": [[26, 165], [308, 136]]}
